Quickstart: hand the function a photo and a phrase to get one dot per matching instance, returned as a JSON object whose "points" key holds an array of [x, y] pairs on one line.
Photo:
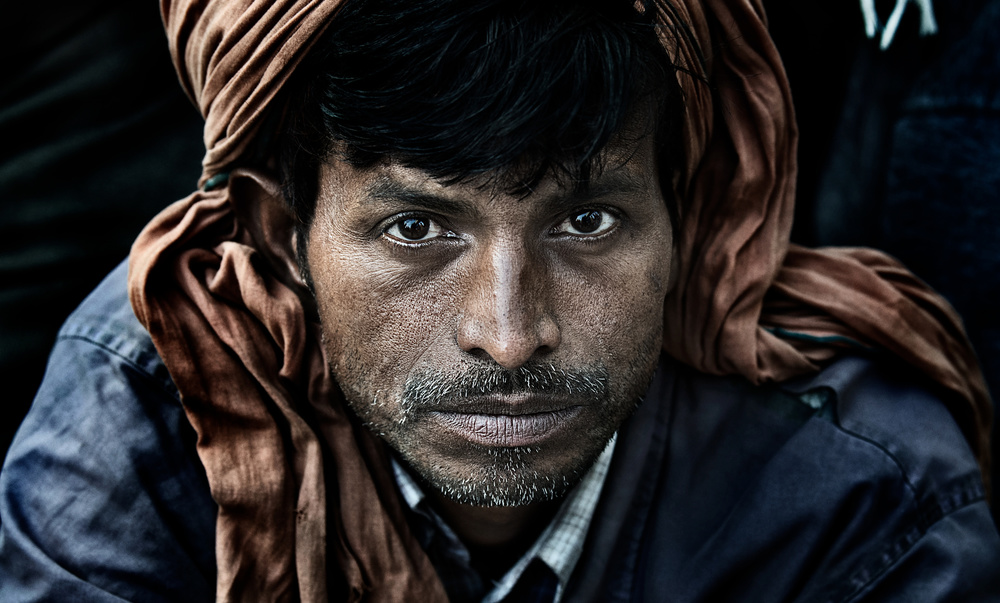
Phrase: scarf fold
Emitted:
{"points": [[213, 279]]}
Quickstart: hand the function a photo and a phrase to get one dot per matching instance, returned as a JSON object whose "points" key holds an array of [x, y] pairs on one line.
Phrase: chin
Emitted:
{"points": [[505, 477]]}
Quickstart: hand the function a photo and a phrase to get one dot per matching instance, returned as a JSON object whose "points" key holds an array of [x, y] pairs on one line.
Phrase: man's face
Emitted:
{"points": [[496, 342]]}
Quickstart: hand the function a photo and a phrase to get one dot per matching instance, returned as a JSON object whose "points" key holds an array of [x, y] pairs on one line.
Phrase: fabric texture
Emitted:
{"points": [[97, 139], [867, 493], [558, 547], [213, 279]]}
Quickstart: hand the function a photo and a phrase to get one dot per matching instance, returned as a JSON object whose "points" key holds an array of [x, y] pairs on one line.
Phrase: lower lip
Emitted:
{"points": [[508, 431]]}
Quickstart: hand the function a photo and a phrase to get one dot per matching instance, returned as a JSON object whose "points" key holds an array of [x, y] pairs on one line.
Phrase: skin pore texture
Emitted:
{"points": [[495, 341]]}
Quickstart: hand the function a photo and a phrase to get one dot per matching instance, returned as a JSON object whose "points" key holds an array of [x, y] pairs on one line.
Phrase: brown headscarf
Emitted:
{"points": [[213, 279]]}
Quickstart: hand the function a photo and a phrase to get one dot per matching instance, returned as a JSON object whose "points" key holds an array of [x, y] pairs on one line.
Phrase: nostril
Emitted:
{"points": [[479, 354], [543, 350], [508, 349]]}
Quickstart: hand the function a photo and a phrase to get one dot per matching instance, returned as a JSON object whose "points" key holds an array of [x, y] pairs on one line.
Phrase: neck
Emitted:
{"points": [[495, 536]]}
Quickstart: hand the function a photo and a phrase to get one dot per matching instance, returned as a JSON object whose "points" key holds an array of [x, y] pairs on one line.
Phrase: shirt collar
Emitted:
{"points": [[560, 544]]}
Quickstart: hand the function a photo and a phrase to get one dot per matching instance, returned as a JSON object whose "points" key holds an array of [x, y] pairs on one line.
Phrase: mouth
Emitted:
{"points": [[513, 422]]}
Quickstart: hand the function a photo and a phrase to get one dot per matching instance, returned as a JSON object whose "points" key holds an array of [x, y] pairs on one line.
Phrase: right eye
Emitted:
{"points": [[587, 223], [414, 229]]}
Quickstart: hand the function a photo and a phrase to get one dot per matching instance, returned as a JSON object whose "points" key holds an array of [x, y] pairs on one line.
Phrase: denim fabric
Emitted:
{"points": [[724, 491], [102, 497]]}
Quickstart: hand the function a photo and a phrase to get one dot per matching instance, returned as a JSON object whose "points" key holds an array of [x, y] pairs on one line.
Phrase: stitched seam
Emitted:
{"points": [[964, 492], [172, 392], [885, 451]]}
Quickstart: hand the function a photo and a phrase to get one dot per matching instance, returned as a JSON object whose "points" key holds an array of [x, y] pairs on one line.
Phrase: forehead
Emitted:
{"points": [[625, 165]]}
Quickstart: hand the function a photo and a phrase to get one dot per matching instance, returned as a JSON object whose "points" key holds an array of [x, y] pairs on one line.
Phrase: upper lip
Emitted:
{"points": [[506, 404]]}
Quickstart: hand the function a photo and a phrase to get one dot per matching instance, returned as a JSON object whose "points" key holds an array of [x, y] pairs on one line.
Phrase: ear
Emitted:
{"points": [[266, 219]]}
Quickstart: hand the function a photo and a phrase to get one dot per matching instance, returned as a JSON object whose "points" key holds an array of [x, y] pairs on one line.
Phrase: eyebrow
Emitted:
{"points": [[617, 182], [389, 191]]}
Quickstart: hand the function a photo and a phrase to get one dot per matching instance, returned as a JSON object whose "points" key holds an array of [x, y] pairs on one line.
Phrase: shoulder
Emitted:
{"points": [[860, 420], [890, 408], [105, 323], [853, 485], [101, 495], [908, 505]]}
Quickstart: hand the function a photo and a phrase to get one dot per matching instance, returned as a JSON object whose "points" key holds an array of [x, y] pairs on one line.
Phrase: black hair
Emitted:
{"points": [[514, 89]]}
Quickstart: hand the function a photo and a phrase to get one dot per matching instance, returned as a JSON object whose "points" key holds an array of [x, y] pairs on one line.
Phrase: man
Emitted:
{"points": [[428, 365]]}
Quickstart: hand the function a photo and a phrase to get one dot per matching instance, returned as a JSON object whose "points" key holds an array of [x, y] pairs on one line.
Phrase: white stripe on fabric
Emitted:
{"points": [[928, 24]]}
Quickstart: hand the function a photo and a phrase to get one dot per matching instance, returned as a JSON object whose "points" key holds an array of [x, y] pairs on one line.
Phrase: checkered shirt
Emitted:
{"points": [[541, 574]]}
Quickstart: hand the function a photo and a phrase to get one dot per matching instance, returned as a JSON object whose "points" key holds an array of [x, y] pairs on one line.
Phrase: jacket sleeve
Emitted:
{"points": [[952, 559], [913, 524], [101, 495], [853, 486]]}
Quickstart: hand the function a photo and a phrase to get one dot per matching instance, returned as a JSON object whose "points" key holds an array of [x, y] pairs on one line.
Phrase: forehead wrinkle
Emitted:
{"points": [[387, 191], [609, 183], [553, 194], [618, 182]]}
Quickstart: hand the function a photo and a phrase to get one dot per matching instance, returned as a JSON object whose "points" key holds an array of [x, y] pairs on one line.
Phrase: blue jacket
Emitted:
{"points": [[853, 485]]}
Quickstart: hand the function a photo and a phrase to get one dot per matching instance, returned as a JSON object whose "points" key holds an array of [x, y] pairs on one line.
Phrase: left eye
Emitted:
{"points": [[587, 223], [414, 229]]}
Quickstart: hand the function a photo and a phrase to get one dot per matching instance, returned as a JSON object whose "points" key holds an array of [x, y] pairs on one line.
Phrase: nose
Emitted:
{"points": [[507, 313]]}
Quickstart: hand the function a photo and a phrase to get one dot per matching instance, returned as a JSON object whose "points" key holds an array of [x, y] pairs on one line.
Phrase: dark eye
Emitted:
{"points": [[414, 228], [590, 222]]}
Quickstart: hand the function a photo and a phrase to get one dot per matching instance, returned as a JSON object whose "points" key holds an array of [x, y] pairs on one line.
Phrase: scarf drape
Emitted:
{"points": [[307, 505]]}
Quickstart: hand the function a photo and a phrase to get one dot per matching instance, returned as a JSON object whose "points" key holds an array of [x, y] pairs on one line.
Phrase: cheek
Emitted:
{"points": [[378, 320], [616, 308]]}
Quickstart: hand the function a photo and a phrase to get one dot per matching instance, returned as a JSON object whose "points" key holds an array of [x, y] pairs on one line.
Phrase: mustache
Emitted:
{"points": [[429, 389]]}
